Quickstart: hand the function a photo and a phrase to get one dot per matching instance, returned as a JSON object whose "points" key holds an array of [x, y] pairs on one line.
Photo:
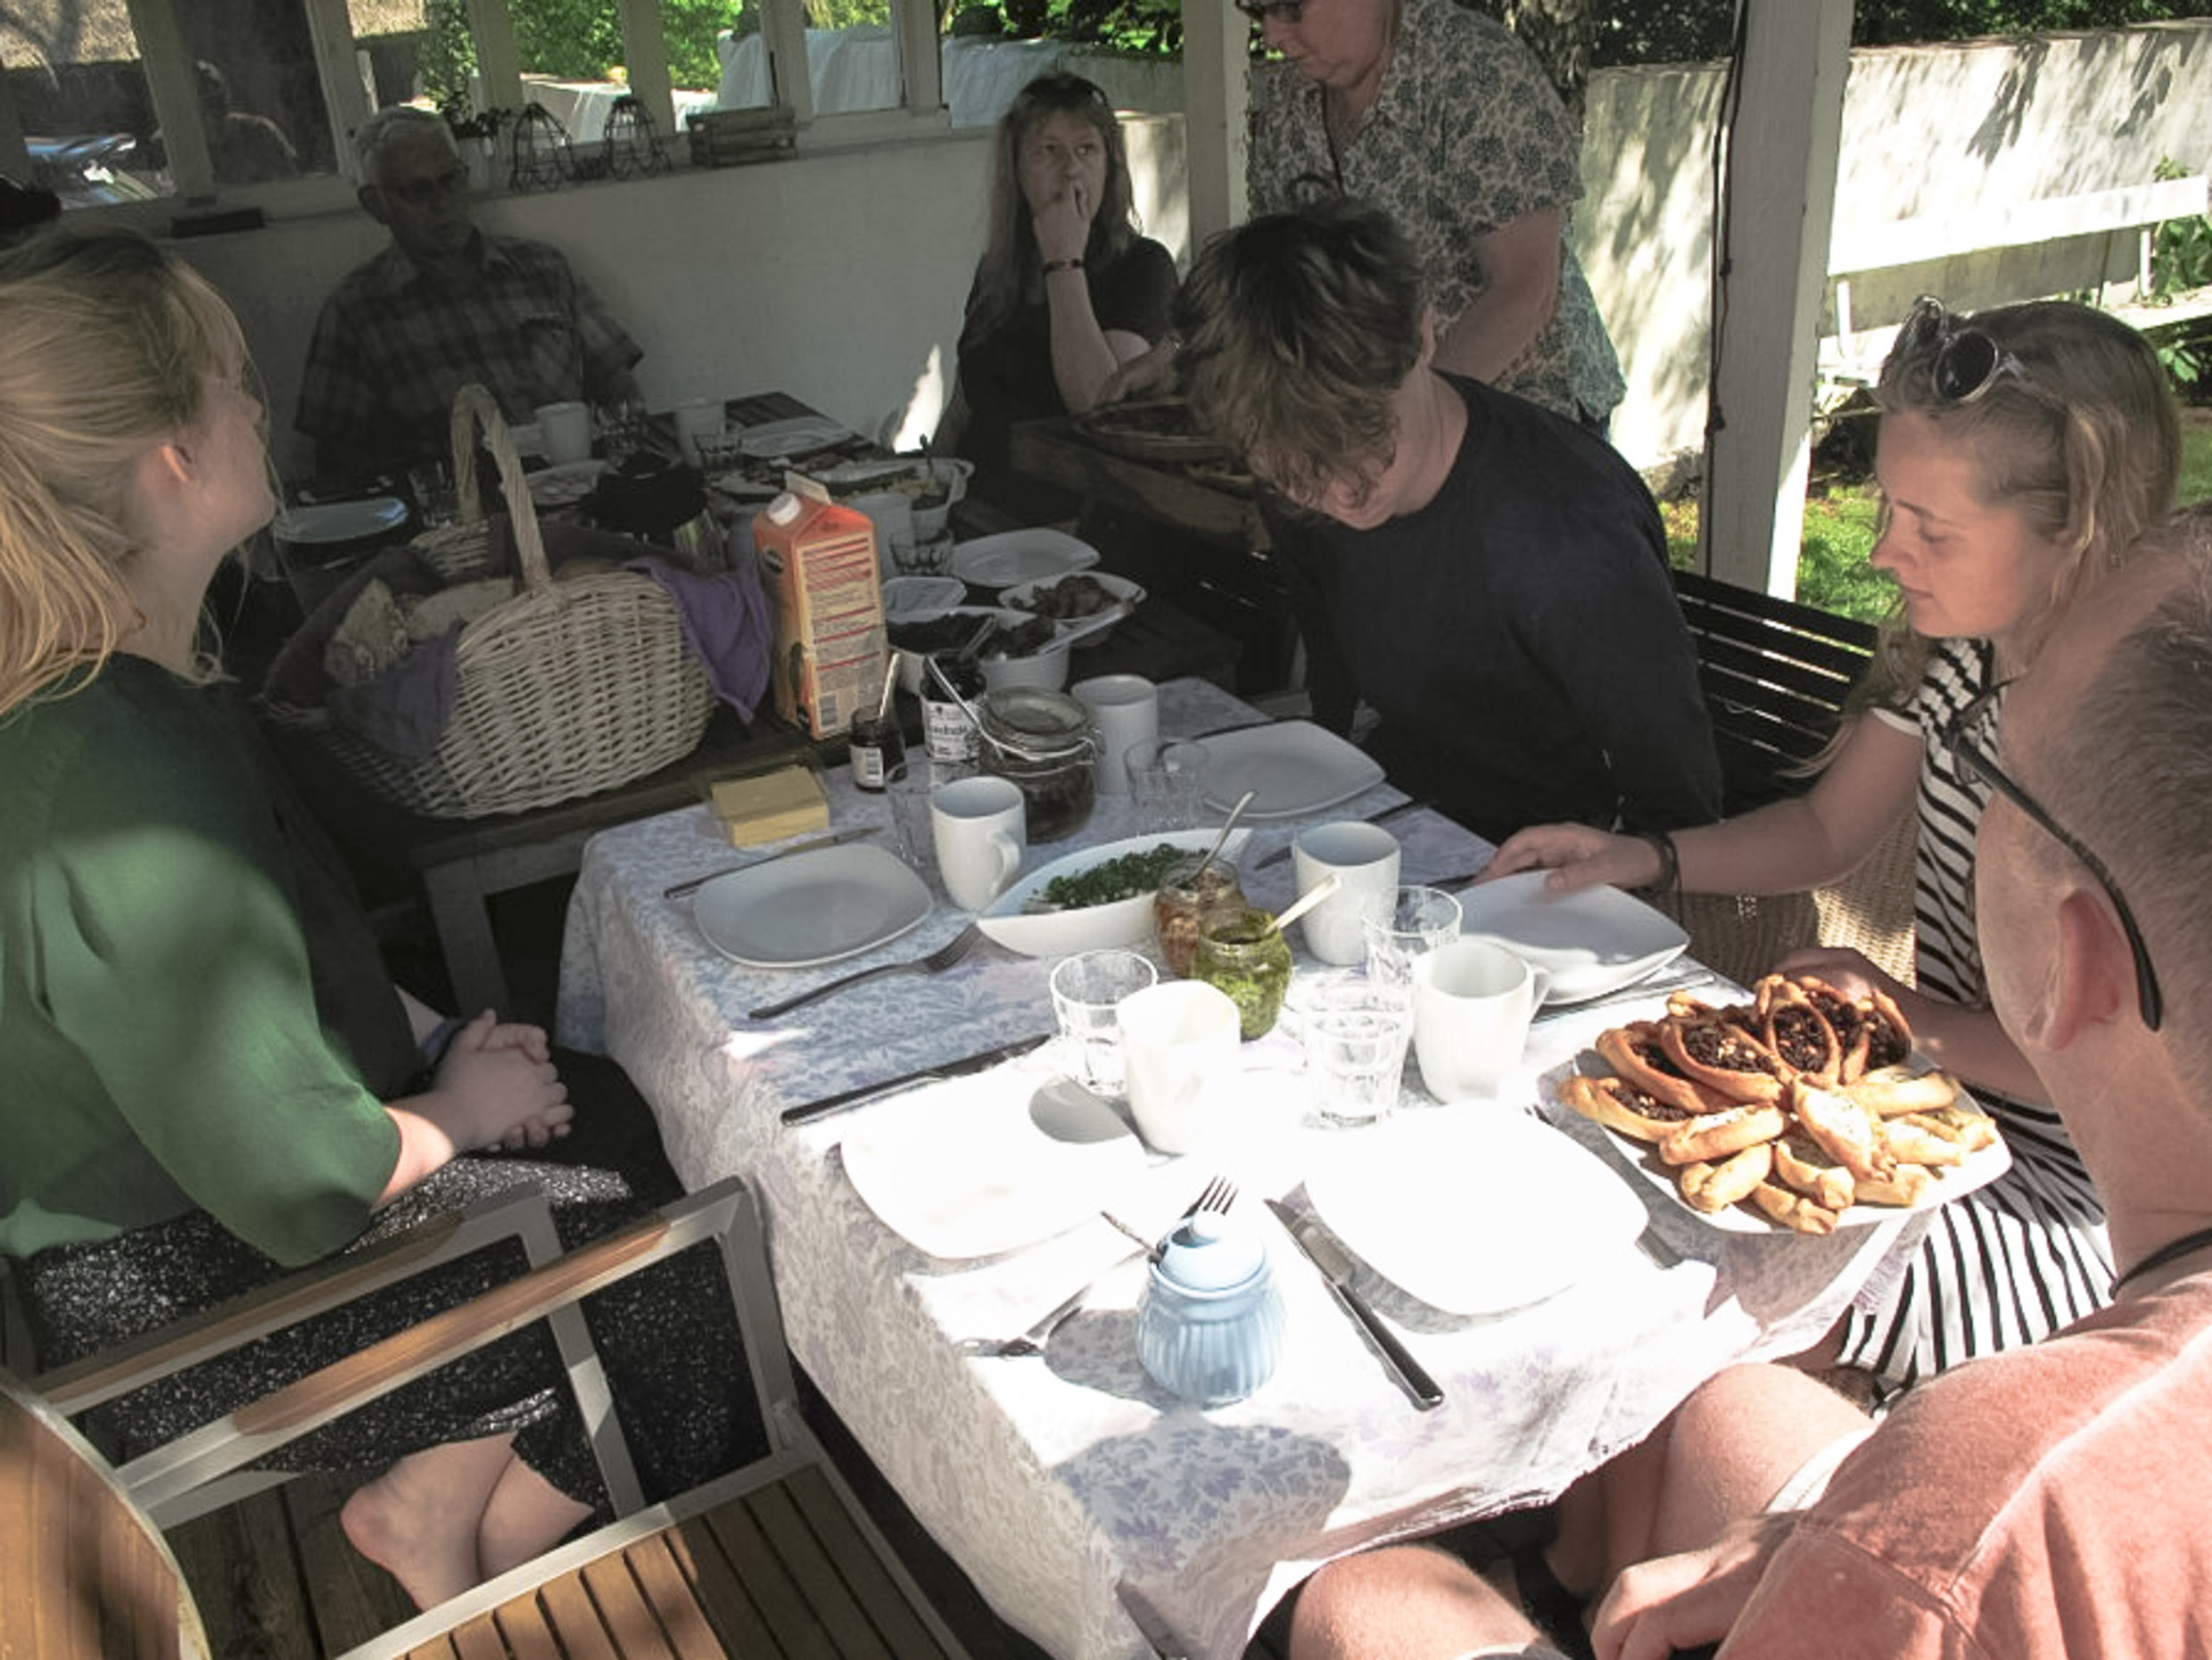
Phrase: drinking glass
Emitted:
{"points": [[1354, 1033], [1167, 784], [1087, 990], [1411, 922]]}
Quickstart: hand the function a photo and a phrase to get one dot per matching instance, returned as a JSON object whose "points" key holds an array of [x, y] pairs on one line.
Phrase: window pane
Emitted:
{"points": [[993, 48], [79, 86]]}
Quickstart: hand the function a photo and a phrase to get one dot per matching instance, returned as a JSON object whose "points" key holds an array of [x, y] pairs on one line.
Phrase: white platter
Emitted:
{"points": [[1094, 927], [988, 1163], [1292, 767], [1591, 941], [1643, 1159], [918, 598], [811, 908], [340, 521], [565, 484], [1020, 555], [797, 436], [1474, 1210], [1126, 594]]}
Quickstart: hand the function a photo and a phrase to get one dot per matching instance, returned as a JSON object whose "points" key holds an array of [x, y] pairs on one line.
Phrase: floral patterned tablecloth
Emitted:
{"points": [[1051, 1479]]}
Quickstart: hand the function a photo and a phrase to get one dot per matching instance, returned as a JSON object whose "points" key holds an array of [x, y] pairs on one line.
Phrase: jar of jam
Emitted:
{"points": [[1192, 889], [948, 679], [877, 750], [1242, 953], [1042, 743]]}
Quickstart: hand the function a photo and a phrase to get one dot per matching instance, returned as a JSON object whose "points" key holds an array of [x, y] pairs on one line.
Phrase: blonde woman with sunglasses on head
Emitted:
{"points": [[2021, 452]]}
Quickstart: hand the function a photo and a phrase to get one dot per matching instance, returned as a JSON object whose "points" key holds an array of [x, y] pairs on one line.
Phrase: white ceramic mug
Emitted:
{"points": [[697, 418], [980, 828], [1125, 710], [1179, 1044], [1472, 1001], [565, 432], [1363, 859], [892, 513]]}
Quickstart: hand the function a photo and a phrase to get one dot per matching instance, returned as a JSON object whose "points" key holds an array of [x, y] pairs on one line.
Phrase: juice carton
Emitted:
{"points": [[819, 560]]}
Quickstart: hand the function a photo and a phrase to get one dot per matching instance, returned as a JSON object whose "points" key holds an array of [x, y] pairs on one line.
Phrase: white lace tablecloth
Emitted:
{"points": [[1050, 1480]]}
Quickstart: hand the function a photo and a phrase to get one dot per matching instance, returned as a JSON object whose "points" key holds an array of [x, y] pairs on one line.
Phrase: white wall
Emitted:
{"points": [[839, 277]]}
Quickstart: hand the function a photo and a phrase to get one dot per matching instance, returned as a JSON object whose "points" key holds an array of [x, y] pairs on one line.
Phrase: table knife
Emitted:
{"points": [[1283, 851], [983, 1061], [834, 839], [1336, 1269]]}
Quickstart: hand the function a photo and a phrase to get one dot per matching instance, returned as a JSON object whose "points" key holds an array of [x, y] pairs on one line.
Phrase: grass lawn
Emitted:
{"points": [[1832, 570]]}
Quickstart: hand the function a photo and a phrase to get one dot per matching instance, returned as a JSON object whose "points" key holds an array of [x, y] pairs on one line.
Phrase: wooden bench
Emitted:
{"points": [[1852, 358]]}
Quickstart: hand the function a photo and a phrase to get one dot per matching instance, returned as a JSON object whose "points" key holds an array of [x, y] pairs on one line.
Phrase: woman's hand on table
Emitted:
{"points": [[1576, 856]]}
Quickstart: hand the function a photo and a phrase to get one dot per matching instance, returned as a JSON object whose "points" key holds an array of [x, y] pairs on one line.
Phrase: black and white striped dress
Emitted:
{"points": [[2016, 1260]]}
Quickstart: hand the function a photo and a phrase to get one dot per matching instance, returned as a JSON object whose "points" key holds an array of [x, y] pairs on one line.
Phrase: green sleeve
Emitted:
{"points": [[169, 954]]}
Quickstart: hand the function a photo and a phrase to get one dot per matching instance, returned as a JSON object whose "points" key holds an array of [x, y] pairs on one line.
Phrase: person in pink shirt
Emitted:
{"points": [[2043, 1502]]}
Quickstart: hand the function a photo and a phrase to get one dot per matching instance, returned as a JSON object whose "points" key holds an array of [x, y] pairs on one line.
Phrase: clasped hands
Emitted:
{"points": [[501, 1077]]}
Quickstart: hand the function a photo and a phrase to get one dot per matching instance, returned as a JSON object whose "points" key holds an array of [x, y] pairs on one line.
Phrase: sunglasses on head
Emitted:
{"points": [[1966, 361], [1971, 756]]}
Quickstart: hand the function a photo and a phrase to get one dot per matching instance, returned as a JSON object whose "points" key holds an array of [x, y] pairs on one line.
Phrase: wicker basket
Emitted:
{"points": [[568, 689]]}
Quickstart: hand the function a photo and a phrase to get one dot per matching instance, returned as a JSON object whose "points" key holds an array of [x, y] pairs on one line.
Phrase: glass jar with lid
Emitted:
{"points": [[1041, 742]]}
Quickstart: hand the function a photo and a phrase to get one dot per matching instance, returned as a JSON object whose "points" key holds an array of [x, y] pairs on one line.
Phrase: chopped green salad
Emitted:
{"points": [[1123, 877]]}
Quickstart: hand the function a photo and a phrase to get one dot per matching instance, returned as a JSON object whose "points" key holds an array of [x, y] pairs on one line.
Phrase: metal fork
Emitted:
{"points": [[1040, 1332], [943, 957], [1218, 1195]]}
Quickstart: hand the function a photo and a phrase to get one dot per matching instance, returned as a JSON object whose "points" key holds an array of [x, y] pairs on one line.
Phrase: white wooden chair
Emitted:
{"points": [[777, 1558]]}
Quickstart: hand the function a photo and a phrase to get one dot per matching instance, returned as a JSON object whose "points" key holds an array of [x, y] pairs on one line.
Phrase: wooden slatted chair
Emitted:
{"points": [[1776, 674], [777, 1558]]}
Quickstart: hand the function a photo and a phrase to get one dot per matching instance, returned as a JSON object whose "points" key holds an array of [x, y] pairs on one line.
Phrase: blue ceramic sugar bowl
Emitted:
{"points": [[1211, 1327]]}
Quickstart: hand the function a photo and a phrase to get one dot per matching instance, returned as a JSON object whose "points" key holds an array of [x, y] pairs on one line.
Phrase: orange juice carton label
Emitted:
{"points": [[819, 561]]}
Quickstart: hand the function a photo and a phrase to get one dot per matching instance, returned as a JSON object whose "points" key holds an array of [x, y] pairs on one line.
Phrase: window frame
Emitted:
{"points": [[173, 91]]}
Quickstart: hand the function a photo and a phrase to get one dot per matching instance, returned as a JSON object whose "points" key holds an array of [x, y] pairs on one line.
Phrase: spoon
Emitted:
{"points": [[1227, 824], [1091, 625], [1306, 902]]}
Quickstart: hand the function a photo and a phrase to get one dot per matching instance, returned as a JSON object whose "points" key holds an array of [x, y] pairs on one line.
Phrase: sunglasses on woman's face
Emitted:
{"points": [[1971, 756], [1967, 362]]}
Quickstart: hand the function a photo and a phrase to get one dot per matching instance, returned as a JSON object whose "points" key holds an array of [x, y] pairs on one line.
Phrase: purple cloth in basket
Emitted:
{"points": [[727, 626], [404, 710]]}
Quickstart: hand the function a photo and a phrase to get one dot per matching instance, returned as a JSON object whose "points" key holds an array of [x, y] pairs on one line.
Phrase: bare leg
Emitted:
{"points": [[1405, 1602], [526, 1517], [418, 1521], [1721, 1457]]}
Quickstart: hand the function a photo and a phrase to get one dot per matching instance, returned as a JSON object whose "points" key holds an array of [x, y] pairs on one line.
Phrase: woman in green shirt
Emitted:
{"points": [[203, 1085]]}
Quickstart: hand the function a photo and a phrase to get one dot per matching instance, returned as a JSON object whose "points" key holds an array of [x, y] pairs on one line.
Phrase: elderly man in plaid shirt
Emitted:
{"points": [[445, 304]]}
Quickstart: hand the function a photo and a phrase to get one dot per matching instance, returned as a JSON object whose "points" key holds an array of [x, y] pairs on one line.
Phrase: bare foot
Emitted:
{"points": [[527, 1515], [418, 1520]]}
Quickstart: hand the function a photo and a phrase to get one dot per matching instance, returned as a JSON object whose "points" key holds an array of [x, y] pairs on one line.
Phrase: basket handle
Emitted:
{"points": [[475, 412]]}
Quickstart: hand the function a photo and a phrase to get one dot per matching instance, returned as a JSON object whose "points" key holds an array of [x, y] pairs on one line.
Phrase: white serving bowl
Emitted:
{"points": [[1124, 923], [1129, 595], [953, 473], [1046, 670]]}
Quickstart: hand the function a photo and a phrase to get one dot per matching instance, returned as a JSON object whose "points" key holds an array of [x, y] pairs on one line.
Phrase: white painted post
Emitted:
{"points": [[1781, 196], [1216, 39]]}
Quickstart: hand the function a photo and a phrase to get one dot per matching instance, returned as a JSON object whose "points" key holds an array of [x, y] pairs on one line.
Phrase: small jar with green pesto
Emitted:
{"points": [[1243, 953]]}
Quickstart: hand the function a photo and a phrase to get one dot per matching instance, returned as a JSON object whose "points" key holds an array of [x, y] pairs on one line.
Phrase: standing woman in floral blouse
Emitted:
{"points": [[1439, 115]]}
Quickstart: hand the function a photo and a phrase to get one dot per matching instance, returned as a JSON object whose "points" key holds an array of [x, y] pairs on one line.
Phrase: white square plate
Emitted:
{"points": [[1591, 941], [1292, 767], [1474, 1209], [991, 1162], [810, 908], [1020, 555]]}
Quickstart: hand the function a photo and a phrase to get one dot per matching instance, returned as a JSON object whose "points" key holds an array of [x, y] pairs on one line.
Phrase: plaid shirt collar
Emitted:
{"points": [[392, 272]]}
